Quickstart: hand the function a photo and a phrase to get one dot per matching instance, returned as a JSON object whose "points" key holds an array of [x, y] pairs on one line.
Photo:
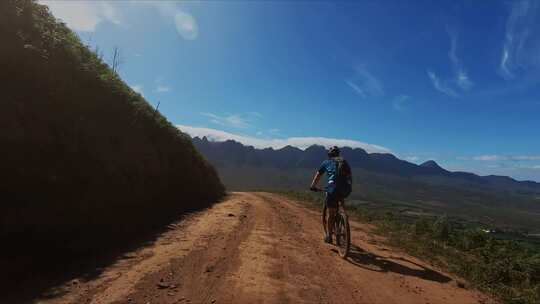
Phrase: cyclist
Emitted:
{"points": [[339, 185]]}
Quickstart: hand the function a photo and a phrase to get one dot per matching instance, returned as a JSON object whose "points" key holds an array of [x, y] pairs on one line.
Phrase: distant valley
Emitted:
{"points": [[383, 181]]}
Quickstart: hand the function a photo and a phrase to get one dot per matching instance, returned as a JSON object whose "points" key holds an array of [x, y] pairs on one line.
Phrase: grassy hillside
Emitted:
{"points": [[85, 160]]}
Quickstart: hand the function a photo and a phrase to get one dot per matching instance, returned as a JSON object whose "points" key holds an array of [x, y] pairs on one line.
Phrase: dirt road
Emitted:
{"points": [[263, 248]]}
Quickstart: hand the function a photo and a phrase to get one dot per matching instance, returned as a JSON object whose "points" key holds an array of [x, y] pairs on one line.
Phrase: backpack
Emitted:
{"points": [[343, 177]]}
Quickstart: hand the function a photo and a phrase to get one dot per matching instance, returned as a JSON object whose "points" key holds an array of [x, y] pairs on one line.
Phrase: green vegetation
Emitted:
{"points": [[86, 162], [400, 194], [506, 268]]}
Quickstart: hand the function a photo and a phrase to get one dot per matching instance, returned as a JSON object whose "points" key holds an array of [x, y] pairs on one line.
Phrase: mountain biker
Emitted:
{"points": [[339, 185]]}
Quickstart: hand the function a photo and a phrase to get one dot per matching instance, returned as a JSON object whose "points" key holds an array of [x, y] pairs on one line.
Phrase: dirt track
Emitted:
{"points": [[263, 248]]}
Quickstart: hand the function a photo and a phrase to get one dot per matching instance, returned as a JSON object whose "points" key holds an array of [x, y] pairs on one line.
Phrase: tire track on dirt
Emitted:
{"points": [[265, 248]]}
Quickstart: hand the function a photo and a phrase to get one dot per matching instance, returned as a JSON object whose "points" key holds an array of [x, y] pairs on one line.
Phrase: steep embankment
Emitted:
{"points": [[85, 161], [264, 248]]}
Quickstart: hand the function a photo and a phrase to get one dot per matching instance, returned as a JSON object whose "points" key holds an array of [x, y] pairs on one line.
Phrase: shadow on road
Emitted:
{"points": [[373, 262], [36, 273]]}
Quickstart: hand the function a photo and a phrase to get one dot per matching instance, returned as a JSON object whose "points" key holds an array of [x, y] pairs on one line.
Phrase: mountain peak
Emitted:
{"points": [[430, 164], [289, 148], [315, 149]]}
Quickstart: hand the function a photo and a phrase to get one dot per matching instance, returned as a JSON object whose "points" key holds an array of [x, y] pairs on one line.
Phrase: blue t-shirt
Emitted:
{"points": [[329, 167]]}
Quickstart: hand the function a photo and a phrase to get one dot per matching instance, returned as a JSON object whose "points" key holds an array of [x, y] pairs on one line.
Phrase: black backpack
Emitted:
{"points": [[343, 177]]}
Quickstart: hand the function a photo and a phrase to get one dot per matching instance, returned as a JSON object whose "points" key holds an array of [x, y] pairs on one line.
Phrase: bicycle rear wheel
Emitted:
{"points": [[343, 234]]}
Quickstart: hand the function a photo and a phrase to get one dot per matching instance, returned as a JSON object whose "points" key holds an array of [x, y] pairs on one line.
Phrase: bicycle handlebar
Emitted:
{"points": [[314, 189]]}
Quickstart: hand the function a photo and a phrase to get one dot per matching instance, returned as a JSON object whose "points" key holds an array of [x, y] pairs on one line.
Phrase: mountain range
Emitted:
{"points": [[382, 180]]}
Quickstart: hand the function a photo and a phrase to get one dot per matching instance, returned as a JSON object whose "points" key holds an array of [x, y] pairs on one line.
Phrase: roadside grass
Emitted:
{"points": [[504, 268]]}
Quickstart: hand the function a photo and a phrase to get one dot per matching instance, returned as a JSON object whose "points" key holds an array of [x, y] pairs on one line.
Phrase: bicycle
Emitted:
{"points": [[342, 229]]}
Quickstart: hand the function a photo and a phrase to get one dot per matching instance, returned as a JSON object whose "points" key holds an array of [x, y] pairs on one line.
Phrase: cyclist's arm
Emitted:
{"points": [[318, 175], [316, 179]]}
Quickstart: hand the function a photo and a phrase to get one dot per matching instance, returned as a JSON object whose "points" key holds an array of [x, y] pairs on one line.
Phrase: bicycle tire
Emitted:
{"points": [[343, 234]]}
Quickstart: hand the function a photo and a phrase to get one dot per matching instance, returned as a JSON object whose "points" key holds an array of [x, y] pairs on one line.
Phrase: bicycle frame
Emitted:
{"points": [[339, 209], [344, 231]]}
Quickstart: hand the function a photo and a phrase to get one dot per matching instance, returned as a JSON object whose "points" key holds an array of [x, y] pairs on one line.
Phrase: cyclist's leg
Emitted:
{"points": [[330, 220], [331, 205]]}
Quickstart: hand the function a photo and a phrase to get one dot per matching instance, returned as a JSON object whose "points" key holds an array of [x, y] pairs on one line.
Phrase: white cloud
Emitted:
{"points": [[399, 102], [463, 81], [109, 12], [269, 133], [412, 158], [138, 88], [356, 88], [494, 157], [461, 78], [504, 69], [519, 171], [185, 23], [232, 120], [162, 88], [460, 81], [299, 142], [526, 157], [453, 47], [521, 41], [83, 16], [489, 157], [365, 84], [440, 86]]}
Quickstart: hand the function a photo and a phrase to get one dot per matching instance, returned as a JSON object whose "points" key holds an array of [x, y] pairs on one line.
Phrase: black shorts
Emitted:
{"points": [[332, 199]]}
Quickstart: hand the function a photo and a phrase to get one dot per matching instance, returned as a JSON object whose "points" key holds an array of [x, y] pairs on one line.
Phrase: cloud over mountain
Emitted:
{"points": [[276, 143]]}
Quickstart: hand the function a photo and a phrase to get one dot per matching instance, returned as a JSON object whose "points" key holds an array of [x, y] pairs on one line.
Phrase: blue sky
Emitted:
{"points": [[456, 81]]}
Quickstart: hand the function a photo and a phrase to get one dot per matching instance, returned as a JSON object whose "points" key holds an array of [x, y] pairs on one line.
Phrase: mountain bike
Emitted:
{"points": [[342, 230]]}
